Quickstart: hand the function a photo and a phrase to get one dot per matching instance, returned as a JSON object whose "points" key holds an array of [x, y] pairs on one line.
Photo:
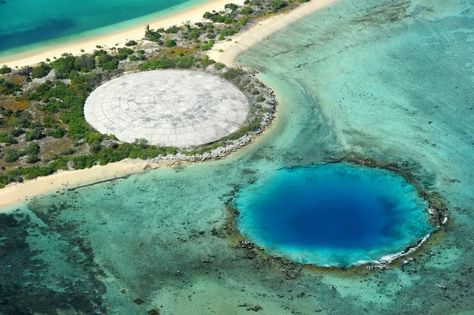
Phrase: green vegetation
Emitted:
{"points": [[232, 74], [170, 43], [5, 69], [231, 6], [105, 60], [246, 10], [151, 35], [219, 66], [278, 4], [7, 138], [56, 132], [84, 63], [42, 125], [207, 45], [243, 20], [124, 52], [172, 29], [11, 155], [63, 66], [228, 31], [25, 71], [9, 87], [34, 134], [40, 70], [68, 64], [159, 63], [131, 43], [32, 148]]}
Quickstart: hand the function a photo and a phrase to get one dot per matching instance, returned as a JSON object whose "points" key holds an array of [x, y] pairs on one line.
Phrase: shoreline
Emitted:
{"points": [[261, 30], [112, 38], [19, 192]]}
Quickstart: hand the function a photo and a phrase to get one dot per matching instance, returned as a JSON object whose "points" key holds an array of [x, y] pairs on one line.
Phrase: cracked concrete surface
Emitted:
{"points": [[179, 108]]}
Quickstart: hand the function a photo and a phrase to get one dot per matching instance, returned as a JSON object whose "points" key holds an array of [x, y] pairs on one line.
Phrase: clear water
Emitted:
{"points": [[28, 22], [390, 80], [336, 214]]}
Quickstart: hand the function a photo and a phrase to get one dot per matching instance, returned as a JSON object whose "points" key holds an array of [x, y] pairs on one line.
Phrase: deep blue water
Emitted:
{"points": [[29, 22], [335, 208], [334, 214]]}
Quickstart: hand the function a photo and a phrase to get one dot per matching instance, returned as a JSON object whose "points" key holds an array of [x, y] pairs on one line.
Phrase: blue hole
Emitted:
{"points": [[335, 214]]}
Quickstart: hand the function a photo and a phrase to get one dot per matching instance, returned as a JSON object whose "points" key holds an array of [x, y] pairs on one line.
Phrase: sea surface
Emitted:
{"points": [[388, 80], [25, 24]]}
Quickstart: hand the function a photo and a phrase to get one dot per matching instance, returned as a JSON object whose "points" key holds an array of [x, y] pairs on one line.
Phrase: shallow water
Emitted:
{"points": [[332, 215], [29, 22], [388, 80]]}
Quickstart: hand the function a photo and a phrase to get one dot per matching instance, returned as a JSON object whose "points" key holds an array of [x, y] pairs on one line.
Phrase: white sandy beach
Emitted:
{"points": [[18, 192], [108, 40]]}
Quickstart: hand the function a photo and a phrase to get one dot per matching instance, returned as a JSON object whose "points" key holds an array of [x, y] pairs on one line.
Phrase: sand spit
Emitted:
{"points": [[227, 51], [19, 192]]}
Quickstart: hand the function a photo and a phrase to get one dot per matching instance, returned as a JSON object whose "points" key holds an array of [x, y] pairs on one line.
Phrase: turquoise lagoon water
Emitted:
{"points": [[335, 214], [386, 80], [28, 22]]}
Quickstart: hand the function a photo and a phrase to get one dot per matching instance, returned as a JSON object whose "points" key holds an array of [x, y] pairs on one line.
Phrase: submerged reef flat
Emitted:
{"points": [[391, 81]]}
